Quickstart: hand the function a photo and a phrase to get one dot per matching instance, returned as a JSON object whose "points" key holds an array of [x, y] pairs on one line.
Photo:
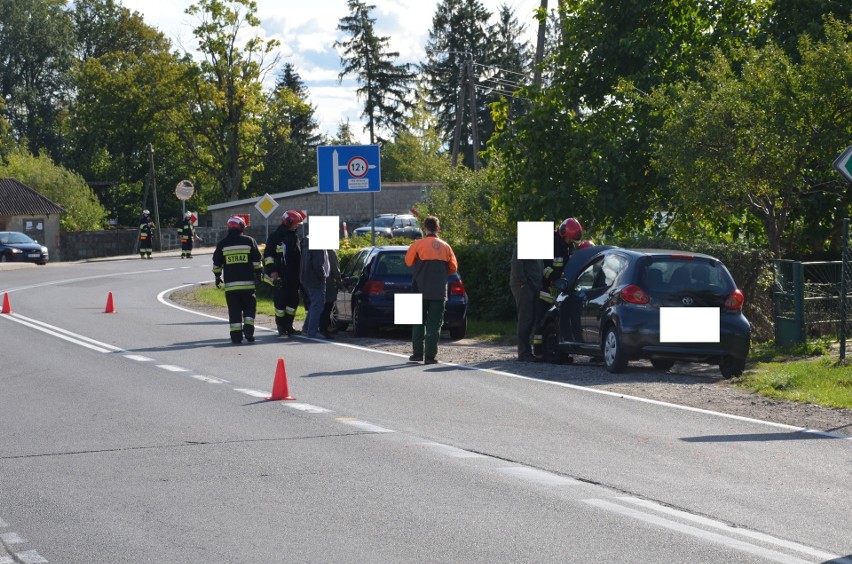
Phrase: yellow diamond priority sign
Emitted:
{"points": [[266, 205]]}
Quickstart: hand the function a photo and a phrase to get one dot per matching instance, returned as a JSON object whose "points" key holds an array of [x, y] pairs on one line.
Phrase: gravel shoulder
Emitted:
{"points": [[694, 385]]}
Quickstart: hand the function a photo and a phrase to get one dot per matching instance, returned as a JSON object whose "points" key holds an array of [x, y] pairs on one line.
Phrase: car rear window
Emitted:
{"points": [[392, 264], [664, 275]]}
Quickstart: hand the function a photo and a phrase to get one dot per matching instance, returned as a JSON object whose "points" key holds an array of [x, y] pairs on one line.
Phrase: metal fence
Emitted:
{"points": [[814, 299]]}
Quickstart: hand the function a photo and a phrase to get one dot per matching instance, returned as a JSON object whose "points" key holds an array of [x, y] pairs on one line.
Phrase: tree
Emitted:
{"points": [[36, 43], [344, 135], [416, 153], [104, 26], [509, 65], [383, 84], [224, 135], [787, 20], [755, 136], [290, 137], [459, 37], [60, 185]]}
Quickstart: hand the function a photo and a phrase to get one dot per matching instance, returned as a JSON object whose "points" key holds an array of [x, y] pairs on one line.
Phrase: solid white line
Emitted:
{"points": [[30, 557], [69, 333], [103, 348], [12, 538], [539, 476], [696, 532], [729, 529]]}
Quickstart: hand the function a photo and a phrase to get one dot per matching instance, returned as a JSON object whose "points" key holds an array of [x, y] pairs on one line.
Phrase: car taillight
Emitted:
{"points": [[735, 300], [456, 288], [374, 287], [635, 295]]}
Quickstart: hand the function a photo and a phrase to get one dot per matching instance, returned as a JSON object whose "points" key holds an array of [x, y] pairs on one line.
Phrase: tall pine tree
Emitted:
{"points": [[459, 37], [383, 84]]}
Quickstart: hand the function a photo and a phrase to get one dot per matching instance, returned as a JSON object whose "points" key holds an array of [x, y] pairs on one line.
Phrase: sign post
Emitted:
{"points": [[350, 169], [266, 205]]}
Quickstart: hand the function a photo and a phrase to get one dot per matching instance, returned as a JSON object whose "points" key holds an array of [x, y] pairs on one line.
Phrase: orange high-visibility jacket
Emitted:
{"points": [[433, 260]]}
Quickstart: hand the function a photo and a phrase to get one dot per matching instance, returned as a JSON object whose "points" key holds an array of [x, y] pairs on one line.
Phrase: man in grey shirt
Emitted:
{"points": [[525, 283], [313, 273]]}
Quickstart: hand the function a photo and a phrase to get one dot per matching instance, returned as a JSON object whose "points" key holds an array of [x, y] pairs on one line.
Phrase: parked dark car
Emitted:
{"points": [[392, 225], [370, 281], [17, 247], [610, 301]]}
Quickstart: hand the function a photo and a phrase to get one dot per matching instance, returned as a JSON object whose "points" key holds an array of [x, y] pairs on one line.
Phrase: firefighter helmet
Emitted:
{"points": [[236, 222], [571, 229], [586, 244], [146, 212], [187, 215], [293, 217]]}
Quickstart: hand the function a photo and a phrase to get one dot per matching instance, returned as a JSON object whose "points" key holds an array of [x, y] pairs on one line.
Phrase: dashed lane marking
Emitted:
{"points": [[539, 476], [364, 425], [11, 538], [138, 358], [308, 408], [172, 368], [209, 379], [30, 557], [451, 450]]}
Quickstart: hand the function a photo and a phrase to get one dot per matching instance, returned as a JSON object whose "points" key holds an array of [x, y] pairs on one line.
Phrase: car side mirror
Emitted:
{"points": [[561, 284]]}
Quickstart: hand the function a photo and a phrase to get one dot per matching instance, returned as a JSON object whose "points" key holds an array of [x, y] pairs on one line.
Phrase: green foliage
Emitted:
{"points": [[821, 382], [484, 268], [756, 135], [415, 155], [59, 185]]}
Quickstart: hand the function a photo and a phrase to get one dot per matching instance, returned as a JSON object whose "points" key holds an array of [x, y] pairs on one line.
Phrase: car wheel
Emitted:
{"points": [[333, 324], [4, 258], [359, 329], [731, 367], [662, 363], [614, 358], [550, 345], [459, 331]]}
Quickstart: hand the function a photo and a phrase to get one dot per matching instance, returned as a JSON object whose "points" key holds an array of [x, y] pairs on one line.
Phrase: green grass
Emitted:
{"points": [[211, 295], [823, 381], [494, 331]]}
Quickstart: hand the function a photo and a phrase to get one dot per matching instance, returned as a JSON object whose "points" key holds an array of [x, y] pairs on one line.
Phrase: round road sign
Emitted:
{"points": [[184, 190], [358, 167]]}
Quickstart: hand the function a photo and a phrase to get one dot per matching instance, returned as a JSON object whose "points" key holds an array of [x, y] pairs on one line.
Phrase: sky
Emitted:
{"points": [[307, 31]]}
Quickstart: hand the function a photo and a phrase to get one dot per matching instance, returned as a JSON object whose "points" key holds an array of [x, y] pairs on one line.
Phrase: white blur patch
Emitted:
{"points": [[408, 309], [689, 325], [323, 232], [535, 240]]}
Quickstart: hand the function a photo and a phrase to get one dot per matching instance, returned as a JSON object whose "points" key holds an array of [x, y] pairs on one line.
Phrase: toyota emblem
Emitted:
{"points": [[687, 300]]}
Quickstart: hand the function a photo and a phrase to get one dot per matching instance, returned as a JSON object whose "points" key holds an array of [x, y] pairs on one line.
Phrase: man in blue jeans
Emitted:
{"points": [[313, 273]]}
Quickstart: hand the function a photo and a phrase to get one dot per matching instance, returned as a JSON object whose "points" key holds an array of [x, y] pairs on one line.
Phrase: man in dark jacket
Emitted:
{"points": [[332, 283], [525, 282], [146, 235], [187, 235], [433, 261], [315, 268], [281, 262], [238, 259]]}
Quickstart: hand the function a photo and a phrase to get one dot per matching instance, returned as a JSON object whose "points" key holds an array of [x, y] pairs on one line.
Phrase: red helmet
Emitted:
{"points": [[236, 222], [292, 217], [586, 244], [571, 229]]}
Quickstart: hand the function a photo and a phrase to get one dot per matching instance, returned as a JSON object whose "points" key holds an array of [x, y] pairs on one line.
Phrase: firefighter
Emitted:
{"points": [[146, 234], [565, 240], [281, 260], [187, 235], [238, 260]]}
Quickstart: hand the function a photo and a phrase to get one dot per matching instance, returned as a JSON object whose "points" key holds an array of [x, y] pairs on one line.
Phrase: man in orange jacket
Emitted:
{"points": [[433, 261]]}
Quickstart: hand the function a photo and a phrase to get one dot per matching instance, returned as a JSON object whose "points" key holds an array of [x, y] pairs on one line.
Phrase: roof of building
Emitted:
{"points": [[19, 199]]}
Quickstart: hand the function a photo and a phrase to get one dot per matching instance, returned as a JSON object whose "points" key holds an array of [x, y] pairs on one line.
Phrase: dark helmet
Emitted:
{"points": [[571, 229], [236, 222]]}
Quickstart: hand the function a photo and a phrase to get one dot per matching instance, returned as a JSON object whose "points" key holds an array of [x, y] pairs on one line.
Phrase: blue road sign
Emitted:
{"points": [[348, 169]]}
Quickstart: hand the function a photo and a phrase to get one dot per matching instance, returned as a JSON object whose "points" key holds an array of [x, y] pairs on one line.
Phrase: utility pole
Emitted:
{"points": [[154, 192], [474, 113], [459, 110], [539, 47]]}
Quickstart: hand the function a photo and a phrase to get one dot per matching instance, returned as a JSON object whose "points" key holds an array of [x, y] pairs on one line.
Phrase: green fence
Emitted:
{"points": [[845, 290]]}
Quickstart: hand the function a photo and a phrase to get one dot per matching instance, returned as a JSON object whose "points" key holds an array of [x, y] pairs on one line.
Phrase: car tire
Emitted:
{"points": [[359, 329], [662, 363], [731, 367], [615, 360], [550, 345], [459, 331]]}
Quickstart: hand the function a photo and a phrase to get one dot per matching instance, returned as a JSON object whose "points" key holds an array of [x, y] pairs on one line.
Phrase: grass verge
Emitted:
{"points": [[821, 381]]}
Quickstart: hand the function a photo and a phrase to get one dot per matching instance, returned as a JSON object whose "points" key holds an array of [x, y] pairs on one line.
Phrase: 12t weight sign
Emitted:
{"points": [[358, 167]]}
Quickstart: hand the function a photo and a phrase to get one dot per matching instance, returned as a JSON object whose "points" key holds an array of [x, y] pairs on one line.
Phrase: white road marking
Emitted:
{"points": [[253, 393], [64, 334], [138, 357], [736, 544], [172, 368], [6, 560], [364, 426], [3, 524], [30, 557], [307, 408], [209, 379], [451, 450], [729, 529], [12, 538], [539, 476]]}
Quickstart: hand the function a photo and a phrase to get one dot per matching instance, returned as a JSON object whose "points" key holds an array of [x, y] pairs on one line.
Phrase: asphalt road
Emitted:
{"points": [[143, 435]]}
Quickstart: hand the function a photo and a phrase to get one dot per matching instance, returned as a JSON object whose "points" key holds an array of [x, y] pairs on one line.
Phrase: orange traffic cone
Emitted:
{"points": [[280, 389], [109, 307], [6, 307]]}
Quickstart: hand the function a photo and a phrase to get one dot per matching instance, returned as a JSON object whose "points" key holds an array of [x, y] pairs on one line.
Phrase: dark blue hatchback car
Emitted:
{"points": [[370, 281]]}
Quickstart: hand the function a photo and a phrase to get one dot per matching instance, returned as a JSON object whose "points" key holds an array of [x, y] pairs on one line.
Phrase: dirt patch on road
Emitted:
{"points": [[694, 385]]}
